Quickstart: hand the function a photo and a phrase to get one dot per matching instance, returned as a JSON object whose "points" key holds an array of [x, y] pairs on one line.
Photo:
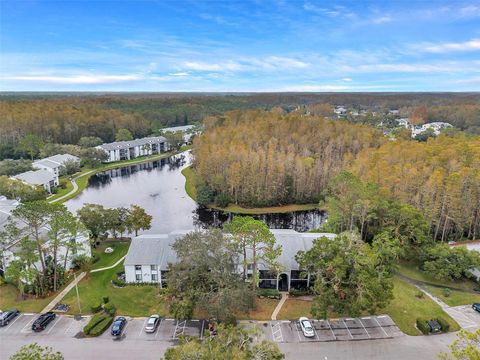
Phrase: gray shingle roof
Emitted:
{"points": [[38, 177], [56, 160], [128, 144], [157, 250]]}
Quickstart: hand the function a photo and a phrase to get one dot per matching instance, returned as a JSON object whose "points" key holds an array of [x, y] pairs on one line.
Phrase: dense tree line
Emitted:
{"points": [[440, 178], [261, 158], [65, 118]]}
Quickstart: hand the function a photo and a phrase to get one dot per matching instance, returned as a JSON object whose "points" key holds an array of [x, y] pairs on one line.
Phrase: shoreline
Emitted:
{"points": [[237, 209]]}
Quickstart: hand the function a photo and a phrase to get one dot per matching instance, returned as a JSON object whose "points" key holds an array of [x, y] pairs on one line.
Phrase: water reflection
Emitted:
{"points": [[159, 187]]}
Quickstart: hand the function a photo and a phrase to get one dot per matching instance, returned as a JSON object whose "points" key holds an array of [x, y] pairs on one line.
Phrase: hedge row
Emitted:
{"points": [[96, 308], [269, 293], [100, 328], [110, 309], [94, 321], [423, 326]]}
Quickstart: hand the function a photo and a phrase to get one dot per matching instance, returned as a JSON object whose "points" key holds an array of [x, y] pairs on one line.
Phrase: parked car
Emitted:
{"points": [[7, 316], [476, 307], [306, 327], [435, 326], [42, 321], [118, 326], [152, 323]]}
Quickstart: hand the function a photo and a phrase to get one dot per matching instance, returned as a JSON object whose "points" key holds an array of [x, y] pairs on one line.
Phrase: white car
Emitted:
{"points": [[152, 323], [306, 327]]}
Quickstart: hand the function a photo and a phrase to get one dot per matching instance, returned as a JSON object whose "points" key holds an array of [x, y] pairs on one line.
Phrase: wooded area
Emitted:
{"points": [[260, 158]]}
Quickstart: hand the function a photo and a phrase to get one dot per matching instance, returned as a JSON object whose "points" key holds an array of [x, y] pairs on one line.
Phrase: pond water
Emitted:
{"points": [[159, 188]]}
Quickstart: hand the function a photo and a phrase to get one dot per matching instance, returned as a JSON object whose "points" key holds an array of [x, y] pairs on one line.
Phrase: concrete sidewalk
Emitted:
{"points": [[62, 293], [279, 305], [109, 267]]}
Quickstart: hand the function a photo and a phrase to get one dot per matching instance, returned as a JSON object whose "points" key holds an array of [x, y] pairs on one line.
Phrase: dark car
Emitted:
{"points": [[476, 307], [118, 326], [42, 321], [435, 326], [7, 316]]}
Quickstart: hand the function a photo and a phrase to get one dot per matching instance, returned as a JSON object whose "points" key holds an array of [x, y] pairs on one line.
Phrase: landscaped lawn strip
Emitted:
{"points": [[119, 249], [455, 298]]}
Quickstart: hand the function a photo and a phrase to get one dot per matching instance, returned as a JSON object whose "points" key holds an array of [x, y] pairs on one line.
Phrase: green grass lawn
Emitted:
{"points": [[190, 181], [9, 298], [405, 308], [130, 300], [61, 192], [412, 271], [455, 298], [119, 249]]}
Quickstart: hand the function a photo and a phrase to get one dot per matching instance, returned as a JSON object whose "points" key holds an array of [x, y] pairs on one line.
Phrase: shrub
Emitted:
{"points": [[93, 322], [182, 309], [444, 324], [423, 326], [205, 195], [105, 299], [446, 292], [222, 200], [118, 282], [269, 293], [100, 328], [110, 309], [96, 308], [420, 294], [300, 292]]}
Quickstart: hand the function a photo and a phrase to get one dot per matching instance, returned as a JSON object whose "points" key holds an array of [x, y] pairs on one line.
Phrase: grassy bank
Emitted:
{"points": [[191, 180], [455, 298], [404, 309]]}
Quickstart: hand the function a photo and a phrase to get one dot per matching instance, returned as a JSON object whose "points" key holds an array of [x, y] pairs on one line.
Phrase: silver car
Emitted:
{"points": [[152, 323], [306, 327]]}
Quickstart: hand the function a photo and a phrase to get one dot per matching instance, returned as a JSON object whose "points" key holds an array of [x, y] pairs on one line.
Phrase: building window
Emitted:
{"points": [[138, 267], [138, 277], [249, 266], [153, 267], [154, 277]]}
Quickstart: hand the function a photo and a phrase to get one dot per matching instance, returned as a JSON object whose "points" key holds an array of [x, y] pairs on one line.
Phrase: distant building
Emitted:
{"points": [[149, 255], [187, 130], [127, 150], [437, 127], [44, 178], [340, 110], [54, 163], [9, 249]]}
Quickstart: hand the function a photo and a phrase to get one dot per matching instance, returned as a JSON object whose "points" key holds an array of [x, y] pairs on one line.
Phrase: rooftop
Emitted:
{"points": [[178, 128], [128, 144], [157, 250], [38, 177], [56, 160]]}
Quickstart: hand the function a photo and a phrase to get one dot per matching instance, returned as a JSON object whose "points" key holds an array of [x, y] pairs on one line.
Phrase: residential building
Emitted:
{"points": [[149, 255], [127, 150], [8, 250], [44, 178], [54, 163], [187, 130]]}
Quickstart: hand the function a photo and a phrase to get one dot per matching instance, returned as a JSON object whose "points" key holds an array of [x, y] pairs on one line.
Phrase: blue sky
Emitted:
{"points": [[240, 45]]}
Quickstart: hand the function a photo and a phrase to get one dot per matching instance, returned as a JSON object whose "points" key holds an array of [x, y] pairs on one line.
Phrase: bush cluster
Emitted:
{"points": [[300, 292], [101, 321], [94, 321], [423, 326], [444, 324], [96, 308], [269, 293], [100, 328], [110, 309]]}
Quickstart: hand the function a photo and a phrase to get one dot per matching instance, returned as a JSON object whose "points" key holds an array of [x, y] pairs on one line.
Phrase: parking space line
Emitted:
{"points": [[13, 322], [277, 333], [54, 324], [315, 331], [381, 326], [181, 332], [364, 328], [28, 324], [70, 326], [201, 331], [158, 328], [125, 330], [334, 336], [143, 326], [298, 332], [344, 323]]}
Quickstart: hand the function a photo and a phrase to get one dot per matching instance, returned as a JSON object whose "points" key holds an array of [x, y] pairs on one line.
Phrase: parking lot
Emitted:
{"points": [[365, 328], [67, 326]]}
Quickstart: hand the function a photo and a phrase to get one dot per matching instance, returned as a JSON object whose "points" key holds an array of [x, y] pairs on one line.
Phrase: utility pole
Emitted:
{"points": [[78, 296]]}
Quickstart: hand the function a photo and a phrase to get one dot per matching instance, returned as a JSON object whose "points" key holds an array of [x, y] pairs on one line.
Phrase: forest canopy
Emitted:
{"points": [[260, 158]]}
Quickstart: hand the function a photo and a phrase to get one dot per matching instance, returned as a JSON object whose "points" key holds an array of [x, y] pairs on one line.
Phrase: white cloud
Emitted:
{"points": [[347, 79], [179, 74], [470, 45], [382, 19], [74, 79]]}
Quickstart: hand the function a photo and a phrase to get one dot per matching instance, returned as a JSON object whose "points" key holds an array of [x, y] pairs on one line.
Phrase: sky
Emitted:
{"points": [[240, 46]]}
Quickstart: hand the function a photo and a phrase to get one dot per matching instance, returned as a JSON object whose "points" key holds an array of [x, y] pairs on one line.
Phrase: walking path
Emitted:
{"points": [[62, 293], [109, 267], [279, 305], [455, 313], [75, 187]]}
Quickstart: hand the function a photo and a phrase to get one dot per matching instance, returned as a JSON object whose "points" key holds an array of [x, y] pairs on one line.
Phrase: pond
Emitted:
{"points": [[159, 188]]}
